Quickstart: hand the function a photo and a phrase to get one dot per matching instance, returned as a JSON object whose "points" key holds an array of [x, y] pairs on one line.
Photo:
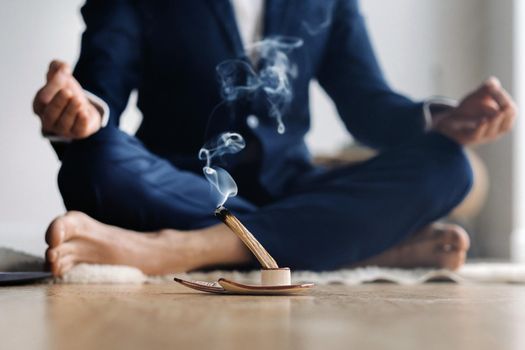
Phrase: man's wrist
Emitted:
{"points": [[435, 109], [101, 106]]}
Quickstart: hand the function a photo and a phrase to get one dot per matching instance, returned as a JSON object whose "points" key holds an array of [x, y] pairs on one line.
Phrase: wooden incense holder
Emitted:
{"points": [[225, 286], [274, 279]]}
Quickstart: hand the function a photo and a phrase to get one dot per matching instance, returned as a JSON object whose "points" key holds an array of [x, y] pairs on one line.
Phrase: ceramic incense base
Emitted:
{"points": [[276, 277]]}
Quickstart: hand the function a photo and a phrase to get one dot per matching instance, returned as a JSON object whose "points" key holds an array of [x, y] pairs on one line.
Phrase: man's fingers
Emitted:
{"points": [[495, 90], [59, 81], [508, 120], [507, 124], [63, 106], [38, 104], [81, 126], [46, 93], [490, 107], [84, 125], [490, 112], [494, 127], [507, 108], [55, 108], [55, 67], [66, 120], [481, 131], [58, 77], [476, 136]]}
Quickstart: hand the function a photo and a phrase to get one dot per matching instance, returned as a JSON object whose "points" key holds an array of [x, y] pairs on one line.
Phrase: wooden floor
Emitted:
{"points": [[376, 316]]}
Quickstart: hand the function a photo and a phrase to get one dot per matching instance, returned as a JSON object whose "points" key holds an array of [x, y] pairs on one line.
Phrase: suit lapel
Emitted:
{"points": [[223, 11]]}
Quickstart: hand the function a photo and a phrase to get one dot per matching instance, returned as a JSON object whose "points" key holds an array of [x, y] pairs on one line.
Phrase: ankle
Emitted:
{"points": [[184, 249], [212, 246]]}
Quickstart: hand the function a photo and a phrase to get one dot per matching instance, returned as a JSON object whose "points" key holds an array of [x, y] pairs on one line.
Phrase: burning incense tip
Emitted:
{"points": [[264, 258], [221, 212]]}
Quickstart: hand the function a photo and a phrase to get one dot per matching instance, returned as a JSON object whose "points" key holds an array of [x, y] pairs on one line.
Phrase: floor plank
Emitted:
{"points": [[374, 316]]}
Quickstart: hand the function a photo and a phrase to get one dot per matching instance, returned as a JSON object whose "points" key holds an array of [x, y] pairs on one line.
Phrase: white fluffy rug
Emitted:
{"points": [[90, 274]]}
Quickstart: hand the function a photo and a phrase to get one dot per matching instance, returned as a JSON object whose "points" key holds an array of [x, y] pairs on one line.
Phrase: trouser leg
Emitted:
{"points": [[115, 179], [352, 213], [327, 221]]}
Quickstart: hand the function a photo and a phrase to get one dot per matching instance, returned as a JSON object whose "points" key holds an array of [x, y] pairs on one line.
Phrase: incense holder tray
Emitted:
{"points": [[273, 282], [224, 286]]}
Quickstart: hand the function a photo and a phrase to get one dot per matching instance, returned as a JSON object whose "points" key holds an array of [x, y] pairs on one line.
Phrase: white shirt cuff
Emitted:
{"points": [[435, 105], [102, 107]]}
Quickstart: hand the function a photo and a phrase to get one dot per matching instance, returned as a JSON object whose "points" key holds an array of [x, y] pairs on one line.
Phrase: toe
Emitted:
{"points": [[66, 263], [51, 255], [62, 229], [452, 246], [457, 238], [451, 260], [56, 232], [451, 237], [54, 267], [460, 237], [54, 254]]}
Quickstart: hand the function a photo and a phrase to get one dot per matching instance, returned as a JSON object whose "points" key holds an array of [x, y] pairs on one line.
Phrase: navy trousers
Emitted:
{"points": [[325, 220]]}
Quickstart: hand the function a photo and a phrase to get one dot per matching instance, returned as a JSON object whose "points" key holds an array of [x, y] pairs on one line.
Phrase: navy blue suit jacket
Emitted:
{"points": [[168, 50]]}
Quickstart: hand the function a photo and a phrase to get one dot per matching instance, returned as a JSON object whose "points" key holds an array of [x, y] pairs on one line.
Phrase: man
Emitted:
{"points": [[142, 201]]}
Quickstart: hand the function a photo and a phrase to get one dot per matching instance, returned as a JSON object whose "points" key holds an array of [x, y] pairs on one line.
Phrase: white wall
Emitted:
{"points": [[32, 33], [518, 237], [432, 47], [426, 47], [499, 218]]}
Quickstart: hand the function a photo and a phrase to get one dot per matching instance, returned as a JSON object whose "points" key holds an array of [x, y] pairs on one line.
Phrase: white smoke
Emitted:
{"points": [[219, 178], [239, 79], [321, 21]]}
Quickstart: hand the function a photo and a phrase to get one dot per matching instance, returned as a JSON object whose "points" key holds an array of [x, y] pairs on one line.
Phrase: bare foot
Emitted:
{"points": [[437, 245], [77, 238]]}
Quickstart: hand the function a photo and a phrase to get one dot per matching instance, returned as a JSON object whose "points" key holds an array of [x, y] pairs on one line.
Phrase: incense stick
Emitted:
{"points": [[264, 258]]}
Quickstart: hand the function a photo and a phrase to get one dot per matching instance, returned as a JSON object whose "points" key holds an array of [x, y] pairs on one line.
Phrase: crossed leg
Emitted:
{"points": [[77, 238], [317, 227]]}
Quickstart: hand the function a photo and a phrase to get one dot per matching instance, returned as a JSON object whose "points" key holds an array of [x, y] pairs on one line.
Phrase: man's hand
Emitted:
{"points": [[63, 106], [483, 116]]}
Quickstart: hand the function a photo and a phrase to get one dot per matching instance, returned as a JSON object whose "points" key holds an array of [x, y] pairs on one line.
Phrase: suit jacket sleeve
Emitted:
{"points": [[110, 56], [350, 74]]}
